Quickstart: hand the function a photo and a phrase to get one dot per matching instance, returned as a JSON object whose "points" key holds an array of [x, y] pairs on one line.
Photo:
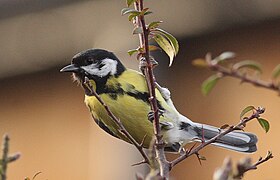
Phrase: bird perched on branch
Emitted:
{"points": [[125, 92]]}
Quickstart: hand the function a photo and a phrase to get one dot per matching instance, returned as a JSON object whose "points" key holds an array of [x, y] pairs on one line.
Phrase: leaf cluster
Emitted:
{"points": [[240, 70], [166, 41], [263, 122]]}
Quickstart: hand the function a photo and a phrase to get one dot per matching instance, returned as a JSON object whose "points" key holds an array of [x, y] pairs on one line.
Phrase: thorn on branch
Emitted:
{"points": [[198, 158], [191, 148], [139, 163]]}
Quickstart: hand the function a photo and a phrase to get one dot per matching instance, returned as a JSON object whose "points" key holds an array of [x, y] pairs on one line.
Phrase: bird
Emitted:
{"points": [[126, 94]]}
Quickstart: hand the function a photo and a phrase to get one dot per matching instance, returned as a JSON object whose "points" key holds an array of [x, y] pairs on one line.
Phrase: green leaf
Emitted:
{"points": [[245, 110], [247, 64], [166, 46], [133, 15], [132, 51], [129, 2], [129, 11], [276, 72], [200, 63], [171, 38], [264, 124], [147, 13], [209, 83], [137, 30], [144, 11], [154, 24], [124, 10]]}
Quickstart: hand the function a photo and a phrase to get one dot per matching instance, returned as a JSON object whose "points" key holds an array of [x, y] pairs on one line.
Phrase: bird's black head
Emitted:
{"points": [[95, 64]]}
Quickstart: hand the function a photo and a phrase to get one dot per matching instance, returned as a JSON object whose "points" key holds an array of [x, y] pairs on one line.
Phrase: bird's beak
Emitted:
{"points": [[70, 68]]}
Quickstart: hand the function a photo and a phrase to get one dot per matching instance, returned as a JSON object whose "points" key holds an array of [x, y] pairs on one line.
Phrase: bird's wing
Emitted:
{"points": [[135, 83]]}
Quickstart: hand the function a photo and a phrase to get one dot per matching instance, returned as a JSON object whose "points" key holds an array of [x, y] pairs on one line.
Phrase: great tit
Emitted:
{"points": [[126, 94]]}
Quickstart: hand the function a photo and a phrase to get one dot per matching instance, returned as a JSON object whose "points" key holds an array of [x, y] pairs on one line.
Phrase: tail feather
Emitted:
{"points": [[237, 140]]}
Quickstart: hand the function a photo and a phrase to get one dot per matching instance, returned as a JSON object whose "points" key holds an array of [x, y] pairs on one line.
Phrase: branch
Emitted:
{"points": [[227, 171], [150, 79], [239, 126], [144, 43], [215, 66], [118, 122], [6, 158], [246, 165]]}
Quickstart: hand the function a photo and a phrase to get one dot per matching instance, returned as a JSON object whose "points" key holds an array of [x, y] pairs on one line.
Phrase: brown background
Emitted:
{"points": [[48, 123]]}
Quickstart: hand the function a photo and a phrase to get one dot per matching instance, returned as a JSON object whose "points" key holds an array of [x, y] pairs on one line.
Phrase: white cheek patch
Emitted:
{"points": [[109, 67]]}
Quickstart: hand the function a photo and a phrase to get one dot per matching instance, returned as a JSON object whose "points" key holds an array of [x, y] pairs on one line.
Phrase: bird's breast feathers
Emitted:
{"points": [[128, 98]]}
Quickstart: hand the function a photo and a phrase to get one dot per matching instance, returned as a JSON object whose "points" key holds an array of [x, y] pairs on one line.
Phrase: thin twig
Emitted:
{"points": [[244, 167], [230, 171], [239, 126], [213, 65], [261, 160], [150, 79], [5, 157], [118, 122]]}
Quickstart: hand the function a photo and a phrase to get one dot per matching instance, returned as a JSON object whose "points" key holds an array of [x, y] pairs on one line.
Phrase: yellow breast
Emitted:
{"points": [[128, 105]]}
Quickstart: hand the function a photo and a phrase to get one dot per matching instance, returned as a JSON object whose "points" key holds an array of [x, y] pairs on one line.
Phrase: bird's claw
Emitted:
{"points": [[143, 63], [151, 114]]}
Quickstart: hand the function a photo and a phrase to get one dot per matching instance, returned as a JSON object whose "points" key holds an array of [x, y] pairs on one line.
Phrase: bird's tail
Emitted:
{"points": [[236, 140]]}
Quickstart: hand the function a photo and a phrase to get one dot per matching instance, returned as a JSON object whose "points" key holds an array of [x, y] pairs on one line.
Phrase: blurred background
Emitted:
{"points": [[43, 110]]}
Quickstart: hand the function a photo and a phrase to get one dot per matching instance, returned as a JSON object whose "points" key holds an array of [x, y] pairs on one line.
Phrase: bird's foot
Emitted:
{"points": [[143, 63], [182, 150], [151, 115]]}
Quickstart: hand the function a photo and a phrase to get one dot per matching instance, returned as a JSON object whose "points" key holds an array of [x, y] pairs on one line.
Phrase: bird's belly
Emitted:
{"points": [[130, 111], [177, 135]]}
